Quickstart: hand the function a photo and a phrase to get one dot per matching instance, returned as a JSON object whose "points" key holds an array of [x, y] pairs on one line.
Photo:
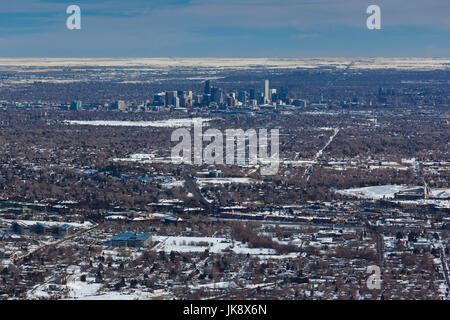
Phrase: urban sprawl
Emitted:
{"points": [[93, 207]]}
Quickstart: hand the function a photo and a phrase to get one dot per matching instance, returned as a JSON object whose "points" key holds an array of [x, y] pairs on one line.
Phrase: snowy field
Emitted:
{"points": [[440, 196], [241, 63], [444, 204], [170, 123], [200, 244], [389, 191], [375, 193], [145, 158], [205, 181], [443, 193], [76, 225], [75, 289], [136, 295]]}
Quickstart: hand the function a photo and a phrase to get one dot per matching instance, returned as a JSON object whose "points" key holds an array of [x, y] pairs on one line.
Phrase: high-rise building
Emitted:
{"points": [[283, 94], [261, 98], [206, 99], [159, 99], [266, 91], [170, 98], [121, 105], [273, 95], [183, 101], [230, 100], [207, 87], [242, 97], [217, 95], [118, 105], [76, 105]]}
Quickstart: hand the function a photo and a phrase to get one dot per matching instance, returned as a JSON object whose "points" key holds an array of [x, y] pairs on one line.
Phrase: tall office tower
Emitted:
{"points": [[76, 105], [252, 94], [230, 101], [261, 98], [159, 99], [283, 93], [273, 95], [217, 95], [181, 95], [121, 105], [207, 87], [170, 98], [266, 91], [242, 97], [182, 101], [118, 105], [206, 99]]}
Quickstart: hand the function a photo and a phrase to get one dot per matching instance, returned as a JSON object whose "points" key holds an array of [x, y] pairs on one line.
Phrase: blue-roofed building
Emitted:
{"points": [[62, 231], [20, 228], [130, 239], [40, 228], [58, 231]]}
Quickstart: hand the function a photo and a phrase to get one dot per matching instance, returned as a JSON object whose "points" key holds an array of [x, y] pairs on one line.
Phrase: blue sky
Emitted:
{"points": [[224, 28]]}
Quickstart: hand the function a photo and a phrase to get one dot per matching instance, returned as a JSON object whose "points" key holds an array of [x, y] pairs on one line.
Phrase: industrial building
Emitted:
{"points": [[130, 239]]}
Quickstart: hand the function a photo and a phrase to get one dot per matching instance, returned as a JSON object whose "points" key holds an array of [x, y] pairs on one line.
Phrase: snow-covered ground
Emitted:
{"points": [[389, 191], [145, 158], [137, 295], [170, 123], [216, 285], [443, 193], [200, 244], [241, 63], [73, 289], [76, 225], [173, 184], [375, 192], [79, 289], [205, 181], [436, 202]]}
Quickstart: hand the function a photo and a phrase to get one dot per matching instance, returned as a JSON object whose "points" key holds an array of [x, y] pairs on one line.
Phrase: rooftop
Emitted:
{"points": [[124, 236]]}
